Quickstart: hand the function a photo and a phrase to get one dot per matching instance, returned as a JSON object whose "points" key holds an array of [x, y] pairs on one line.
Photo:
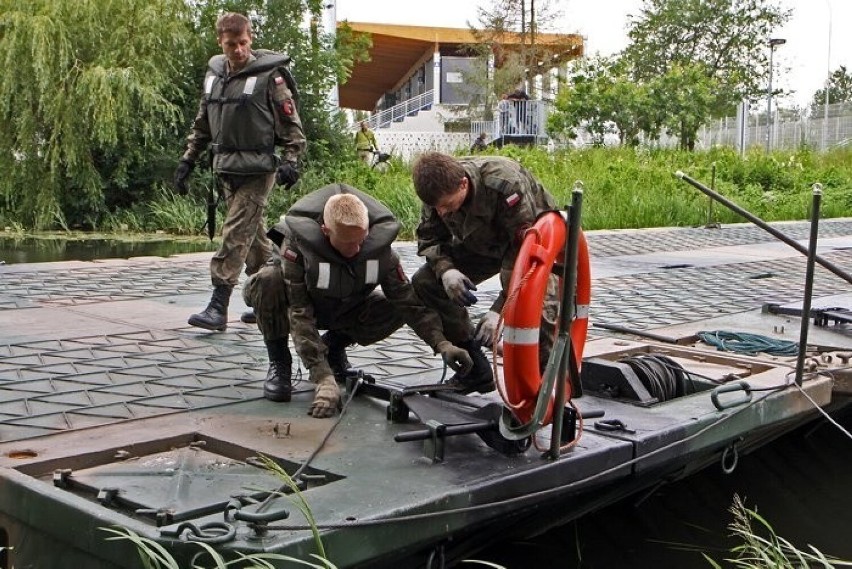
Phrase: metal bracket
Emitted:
{"points": [[433, 447]]}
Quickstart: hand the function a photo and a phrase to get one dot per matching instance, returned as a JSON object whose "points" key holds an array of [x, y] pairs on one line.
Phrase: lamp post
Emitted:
{"points": [[827, 81], [772, 43]]}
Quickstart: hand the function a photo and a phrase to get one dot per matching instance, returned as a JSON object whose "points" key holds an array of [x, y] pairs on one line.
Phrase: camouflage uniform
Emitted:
{"points": [[242, 117], [481, 240], [315, 288]]}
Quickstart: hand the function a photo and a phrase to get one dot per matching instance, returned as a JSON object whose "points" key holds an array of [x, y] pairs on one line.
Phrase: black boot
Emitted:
{"points": [[337, 342], [248, 317], [215, 316], [480, 377], [277, 386]]}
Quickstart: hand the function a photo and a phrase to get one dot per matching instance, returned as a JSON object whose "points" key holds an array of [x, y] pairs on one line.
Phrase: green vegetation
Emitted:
{"points": [[768, 551], [623, 188]]}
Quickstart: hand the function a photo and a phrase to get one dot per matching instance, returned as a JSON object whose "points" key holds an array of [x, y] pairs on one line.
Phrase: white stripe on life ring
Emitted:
{"points": [[521, 336]]}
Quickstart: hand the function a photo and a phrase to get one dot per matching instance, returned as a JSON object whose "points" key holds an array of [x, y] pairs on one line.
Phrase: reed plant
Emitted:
{"points": [[762, 548]]}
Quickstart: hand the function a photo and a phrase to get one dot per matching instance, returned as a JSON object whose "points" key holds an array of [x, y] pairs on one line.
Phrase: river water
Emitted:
{"points": [[800, 483]]}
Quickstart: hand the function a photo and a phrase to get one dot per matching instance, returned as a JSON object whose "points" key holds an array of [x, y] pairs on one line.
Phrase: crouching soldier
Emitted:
{"points": [[335, 246]]}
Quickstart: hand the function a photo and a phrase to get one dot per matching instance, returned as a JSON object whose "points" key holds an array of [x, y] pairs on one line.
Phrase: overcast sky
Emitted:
{"points": [[803, 62]]}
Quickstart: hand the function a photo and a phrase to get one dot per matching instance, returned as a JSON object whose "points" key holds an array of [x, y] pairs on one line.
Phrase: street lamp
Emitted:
{"points": [[827, 80], [772, 43]]}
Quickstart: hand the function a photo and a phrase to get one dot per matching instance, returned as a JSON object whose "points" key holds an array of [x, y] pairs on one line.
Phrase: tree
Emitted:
{"points": [[728, 38], [839, 91], [81, 104], [681, 100], [600, 99]]}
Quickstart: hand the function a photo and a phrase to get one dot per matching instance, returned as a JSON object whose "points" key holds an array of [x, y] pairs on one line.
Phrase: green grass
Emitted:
{"points": [[623, 188]]}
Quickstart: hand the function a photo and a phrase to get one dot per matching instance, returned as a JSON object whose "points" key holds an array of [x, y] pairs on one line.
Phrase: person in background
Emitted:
{"points": [[247, 110], [478, 144], [335, 250], [365, 143], [474, 215]]}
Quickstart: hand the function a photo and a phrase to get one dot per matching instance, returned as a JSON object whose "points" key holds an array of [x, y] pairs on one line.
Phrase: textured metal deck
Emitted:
{"points": [[87, 344]]}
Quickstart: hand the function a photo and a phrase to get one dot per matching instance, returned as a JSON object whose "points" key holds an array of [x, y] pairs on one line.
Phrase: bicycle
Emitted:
{"points": [[380, 161]]}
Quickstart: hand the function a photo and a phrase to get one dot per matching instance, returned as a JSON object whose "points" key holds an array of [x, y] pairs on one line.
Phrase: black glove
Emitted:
{"points": [[287, 174], [184, 169]]}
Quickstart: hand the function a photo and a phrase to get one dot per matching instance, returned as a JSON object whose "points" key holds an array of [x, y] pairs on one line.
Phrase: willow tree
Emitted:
{"points": [[87, 96]]}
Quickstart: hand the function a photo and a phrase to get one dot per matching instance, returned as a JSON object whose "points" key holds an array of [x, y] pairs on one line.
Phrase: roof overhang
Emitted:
{"points": [[397, 50]]}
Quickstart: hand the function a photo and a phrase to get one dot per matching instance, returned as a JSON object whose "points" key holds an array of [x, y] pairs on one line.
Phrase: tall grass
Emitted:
{"points": [[623, 188], [636, 188], [762, 548]]}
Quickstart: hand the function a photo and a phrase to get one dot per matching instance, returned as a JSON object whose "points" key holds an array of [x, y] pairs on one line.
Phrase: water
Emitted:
{"points": [[14, 250], [798, 483]]}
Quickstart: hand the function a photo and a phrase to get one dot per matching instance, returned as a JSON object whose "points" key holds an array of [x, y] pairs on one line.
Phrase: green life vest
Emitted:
{"points": [[242, 122], [333, 282]]}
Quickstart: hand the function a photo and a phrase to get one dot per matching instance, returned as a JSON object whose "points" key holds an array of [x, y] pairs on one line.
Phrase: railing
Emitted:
{"points": [[515, 119], [400, 111]]}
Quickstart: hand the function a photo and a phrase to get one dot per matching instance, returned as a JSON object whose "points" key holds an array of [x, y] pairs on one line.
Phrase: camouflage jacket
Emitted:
{"points": [[505, 200], [321, 283]]}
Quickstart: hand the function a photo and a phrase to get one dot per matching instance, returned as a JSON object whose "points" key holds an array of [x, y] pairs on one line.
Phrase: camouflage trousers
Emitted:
{"points": [[244, 240], [458, 326], [366, 322]]}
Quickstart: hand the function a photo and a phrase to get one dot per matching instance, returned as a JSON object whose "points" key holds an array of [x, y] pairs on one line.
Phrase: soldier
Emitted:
{"points": [[248, 108], [475, 212], [335, 248]]}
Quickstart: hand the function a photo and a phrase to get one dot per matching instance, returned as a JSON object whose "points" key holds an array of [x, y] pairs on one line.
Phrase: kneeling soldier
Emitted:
{"points": [[335, 248]]}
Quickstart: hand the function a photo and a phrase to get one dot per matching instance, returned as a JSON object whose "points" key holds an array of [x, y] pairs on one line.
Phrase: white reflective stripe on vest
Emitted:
{"points": [[249, 88], [208, 84], [372, 275], [521, 336], [581, 311], [324, 276]]}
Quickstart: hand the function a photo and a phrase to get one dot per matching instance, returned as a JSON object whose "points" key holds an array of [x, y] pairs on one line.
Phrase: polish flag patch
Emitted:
{"points": [[401, 274], [290, 255], [279, 80], [512, 200]]}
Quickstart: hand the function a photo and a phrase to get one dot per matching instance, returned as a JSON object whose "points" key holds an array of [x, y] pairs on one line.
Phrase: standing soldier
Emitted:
{"points": [[248, 108], [475, 212], [335, 250]]}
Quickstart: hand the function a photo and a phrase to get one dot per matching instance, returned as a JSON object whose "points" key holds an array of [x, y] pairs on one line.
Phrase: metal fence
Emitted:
{"points": [[785, 131]]}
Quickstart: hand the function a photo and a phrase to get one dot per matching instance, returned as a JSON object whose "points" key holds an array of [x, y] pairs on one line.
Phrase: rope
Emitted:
{"points": [[751, 344]]}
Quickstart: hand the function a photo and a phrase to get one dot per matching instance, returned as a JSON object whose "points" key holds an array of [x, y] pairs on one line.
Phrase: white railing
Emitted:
{"points": [[400, 111], [515, 119]]}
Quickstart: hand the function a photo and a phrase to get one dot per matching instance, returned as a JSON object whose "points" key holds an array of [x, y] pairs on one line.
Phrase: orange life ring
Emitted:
{"points": [[522, 314]]}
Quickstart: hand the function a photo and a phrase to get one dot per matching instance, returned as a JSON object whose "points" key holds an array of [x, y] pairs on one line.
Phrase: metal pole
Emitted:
{"points": [[827, 83], [569, 282], [763, 225], [809, 283], [769, 100]]}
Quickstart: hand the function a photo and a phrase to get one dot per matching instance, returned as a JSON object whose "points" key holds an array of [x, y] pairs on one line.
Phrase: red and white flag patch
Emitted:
{"points": [[290, 255], [512, 200], [279, 80]]}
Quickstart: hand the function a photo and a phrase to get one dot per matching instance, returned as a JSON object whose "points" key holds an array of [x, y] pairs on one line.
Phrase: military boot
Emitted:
{"points": [[248, 317], [215, 316], [480, 377], [337, 342], [277, 386]]}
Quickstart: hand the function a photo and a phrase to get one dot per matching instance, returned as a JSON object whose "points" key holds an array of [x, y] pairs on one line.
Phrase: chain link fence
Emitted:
{"points": [[820, 131]]}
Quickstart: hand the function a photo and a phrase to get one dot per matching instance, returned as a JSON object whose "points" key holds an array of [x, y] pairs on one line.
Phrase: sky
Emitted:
{"points": [[802, 64]]}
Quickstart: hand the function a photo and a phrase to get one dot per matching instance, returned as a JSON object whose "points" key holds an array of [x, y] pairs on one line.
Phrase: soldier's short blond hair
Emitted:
{"points": [[346, 209]]}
